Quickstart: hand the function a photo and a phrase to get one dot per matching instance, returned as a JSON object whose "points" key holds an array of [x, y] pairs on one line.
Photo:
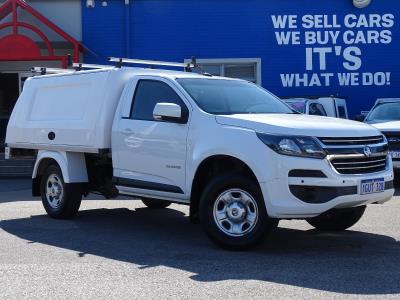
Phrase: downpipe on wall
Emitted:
{"points": [[128, 28]]}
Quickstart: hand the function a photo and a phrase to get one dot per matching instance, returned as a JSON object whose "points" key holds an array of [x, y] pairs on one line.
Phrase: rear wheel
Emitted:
{"points": [[60, 200], [337, 219], [233, 214], [155, 203]]}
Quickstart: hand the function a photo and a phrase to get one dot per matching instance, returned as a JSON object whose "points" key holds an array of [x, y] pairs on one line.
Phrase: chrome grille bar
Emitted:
{"points": [[363, 162], [358, 164], [365, 167], [351, 141]]}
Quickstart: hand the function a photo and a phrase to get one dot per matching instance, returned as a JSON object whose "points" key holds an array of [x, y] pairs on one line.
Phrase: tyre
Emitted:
{"points": [[233, 214], [396, 180], [60, 200], [337, 219], [155, 203]]}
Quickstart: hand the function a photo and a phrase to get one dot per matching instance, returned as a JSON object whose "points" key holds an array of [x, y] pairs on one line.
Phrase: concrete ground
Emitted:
{"points": [[120, 249]]}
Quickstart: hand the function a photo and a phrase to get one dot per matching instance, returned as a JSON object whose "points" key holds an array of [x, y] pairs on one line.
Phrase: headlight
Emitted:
{"points": [[385, 140], [293, 145]]}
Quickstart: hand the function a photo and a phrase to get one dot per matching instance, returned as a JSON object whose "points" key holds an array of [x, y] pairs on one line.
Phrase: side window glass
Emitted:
{"points": [[147, 94], [317, 109]]}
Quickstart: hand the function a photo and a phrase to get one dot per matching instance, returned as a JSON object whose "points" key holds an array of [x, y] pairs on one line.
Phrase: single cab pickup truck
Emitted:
{"points": [[236, 154]]}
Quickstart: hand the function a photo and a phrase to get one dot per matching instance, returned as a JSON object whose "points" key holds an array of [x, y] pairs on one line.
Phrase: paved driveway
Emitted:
{"points": [[120, 249]]}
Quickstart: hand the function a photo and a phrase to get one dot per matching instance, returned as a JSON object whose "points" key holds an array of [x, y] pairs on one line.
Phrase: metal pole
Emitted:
{"points": [[127, 29]]}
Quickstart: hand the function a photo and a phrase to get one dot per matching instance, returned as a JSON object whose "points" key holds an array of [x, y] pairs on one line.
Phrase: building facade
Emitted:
{"points": [[34, 33], [293, 48], [345, 48]]}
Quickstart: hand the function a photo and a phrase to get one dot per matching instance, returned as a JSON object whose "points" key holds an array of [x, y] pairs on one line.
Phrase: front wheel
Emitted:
{"points": [[233, 213], [60, 200], [337, 219], [396, 178]]}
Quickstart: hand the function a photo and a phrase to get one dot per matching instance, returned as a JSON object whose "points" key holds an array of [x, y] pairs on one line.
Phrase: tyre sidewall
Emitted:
{"points": [[71, 196], [338, 219], [214, 189]]}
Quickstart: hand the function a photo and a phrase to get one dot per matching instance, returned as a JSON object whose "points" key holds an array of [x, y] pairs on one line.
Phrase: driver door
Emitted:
{"points": [[151, 153]]}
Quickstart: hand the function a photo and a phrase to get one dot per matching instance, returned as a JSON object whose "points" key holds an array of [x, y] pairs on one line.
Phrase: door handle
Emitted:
{"points": [[127, 131]]}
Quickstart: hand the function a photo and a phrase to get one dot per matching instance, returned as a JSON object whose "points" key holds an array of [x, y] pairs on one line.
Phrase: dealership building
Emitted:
{"points": [[344, 48], [349, 49]]}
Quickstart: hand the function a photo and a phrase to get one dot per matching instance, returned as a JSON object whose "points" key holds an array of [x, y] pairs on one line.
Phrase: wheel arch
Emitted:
{"points": [[72, 165], [209, 167]]}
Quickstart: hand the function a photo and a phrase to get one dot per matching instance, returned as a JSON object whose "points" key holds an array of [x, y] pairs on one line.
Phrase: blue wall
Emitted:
{"points": [[173, 30]]}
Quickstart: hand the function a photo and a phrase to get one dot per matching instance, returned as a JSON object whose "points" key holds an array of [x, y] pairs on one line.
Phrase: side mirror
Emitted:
{"points": [[169, 112], [359, 118]]}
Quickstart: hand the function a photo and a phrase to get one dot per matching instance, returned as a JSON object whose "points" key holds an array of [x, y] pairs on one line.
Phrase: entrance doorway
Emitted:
{"points": [[9, 92]]}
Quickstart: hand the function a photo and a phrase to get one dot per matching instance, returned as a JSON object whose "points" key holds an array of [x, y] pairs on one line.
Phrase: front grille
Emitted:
{"points": [[356, 155], [359, 165], [351, 141], [393, 140]]}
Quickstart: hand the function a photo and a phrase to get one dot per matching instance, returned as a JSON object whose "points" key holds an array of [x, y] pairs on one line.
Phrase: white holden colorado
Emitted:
{"points": [[235, 153]]}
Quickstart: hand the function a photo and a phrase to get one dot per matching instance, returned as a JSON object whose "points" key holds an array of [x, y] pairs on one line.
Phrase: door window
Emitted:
{"points": [[150, 92], [317, 109]]}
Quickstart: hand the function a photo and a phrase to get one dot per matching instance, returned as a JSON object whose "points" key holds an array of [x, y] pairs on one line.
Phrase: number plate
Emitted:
{"points": [[370, 186], [394, 154]]}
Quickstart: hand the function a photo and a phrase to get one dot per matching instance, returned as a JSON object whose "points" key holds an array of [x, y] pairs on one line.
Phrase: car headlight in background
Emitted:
{"points": [[293, 145]]}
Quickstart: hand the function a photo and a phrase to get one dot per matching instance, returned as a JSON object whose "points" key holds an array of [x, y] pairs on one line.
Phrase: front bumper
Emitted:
{"points": [[281, 201]]}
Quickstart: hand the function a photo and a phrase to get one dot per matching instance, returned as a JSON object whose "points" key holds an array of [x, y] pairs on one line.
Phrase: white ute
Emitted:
{"points": [[235, 153], [319, 106], [385, 116]]}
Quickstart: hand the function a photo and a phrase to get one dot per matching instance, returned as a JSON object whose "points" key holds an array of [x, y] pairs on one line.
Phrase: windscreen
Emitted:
{"points": [[385, 112], [226, 97]]}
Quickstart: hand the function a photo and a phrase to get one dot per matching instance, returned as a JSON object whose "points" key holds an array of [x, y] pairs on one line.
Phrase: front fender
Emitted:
{"points": [[199, 159], [72, 165]]}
